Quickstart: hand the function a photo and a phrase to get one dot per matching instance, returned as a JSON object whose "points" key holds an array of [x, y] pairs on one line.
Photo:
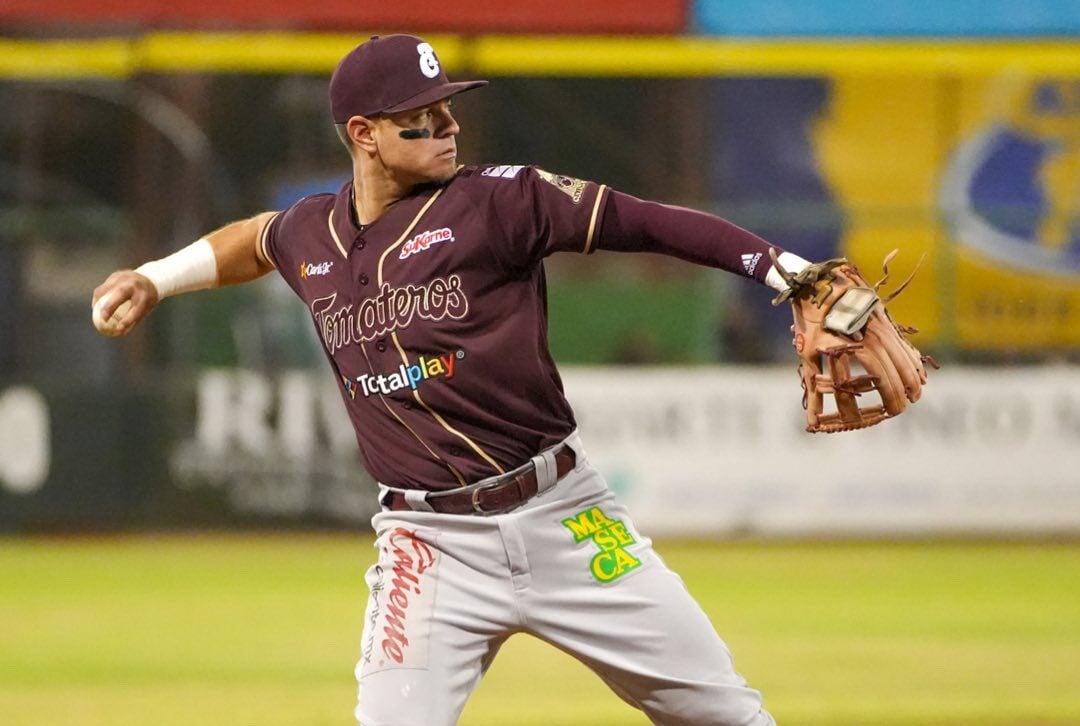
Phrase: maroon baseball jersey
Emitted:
{"points": [[434, 317]]}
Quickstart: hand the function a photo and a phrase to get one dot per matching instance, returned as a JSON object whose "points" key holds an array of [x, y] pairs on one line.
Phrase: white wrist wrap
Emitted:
{"points": [[790, 262], [192, 268]]}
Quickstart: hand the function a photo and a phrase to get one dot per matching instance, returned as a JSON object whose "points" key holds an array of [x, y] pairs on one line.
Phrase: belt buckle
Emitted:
{"points": [[476, 500], [500, 482]]}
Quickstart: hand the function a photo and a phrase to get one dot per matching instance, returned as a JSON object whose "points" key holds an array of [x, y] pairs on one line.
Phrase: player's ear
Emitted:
{"points": [[360, 132]]}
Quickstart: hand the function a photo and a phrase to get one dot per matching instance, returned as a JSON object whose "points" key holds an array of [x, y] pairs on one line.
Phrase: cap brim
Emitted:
{"points": [[432, 95]]}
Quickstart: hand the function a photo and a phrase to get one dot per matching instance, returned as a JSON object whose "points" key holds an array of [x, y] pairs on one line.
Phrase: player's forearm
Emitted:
{"points": [[227, 256], [634, 225]]}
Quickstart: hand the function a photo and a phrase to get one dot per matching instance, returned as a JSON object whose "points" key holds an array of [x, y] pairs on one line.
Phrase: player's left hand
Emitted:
{"points": [[839, 318], [119, 303]]}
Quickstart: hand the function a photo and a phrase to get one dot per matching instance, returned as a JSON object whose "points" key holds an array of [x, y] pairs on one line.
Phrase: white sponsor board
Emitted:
{"points": [[25, 440], [275, 445], [709, 451]]}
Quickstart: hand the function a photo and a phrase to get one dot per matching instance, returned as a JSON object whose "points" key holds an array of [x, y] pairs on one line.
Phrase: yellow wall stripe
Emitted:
{"points": [[686, 56], [180, 52], [263, 52], [43, 60]]}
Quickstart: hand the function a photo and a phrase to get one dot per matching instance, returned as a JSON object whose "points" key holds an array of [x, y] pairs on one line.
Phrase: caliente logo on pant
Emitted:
{"points": [[399, 614]]}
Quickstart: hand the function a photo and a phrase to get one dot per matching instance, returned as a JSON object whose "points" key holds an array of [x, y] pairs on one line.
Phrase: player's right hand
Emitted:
{"points": [[119, 303]]}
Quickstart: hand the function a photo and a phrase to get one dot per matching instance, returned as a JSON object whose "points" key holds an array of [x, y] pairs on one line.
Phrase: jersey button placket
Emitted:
{"points": [[363, 279]]}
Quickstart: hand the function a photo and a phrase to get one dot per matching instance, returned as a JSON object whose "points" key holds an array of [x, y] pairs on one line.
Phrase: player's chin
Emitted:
{"points": [[443, 168]]}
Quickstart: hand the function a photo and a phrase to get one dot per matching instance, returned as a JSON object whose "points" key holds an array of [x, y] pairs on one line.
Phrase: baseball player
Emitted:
{"points": [[425, 282]]}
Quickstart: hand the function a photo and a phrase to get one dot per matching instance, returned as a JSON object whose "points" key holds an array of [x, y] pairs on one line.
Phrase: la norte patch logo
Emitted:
{"points": [[611, 536]]}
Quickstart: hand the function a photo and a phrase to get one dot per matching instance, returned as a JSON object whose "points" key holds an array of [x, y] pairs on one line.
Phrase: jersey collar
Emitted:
{"points": [[343, 217]]}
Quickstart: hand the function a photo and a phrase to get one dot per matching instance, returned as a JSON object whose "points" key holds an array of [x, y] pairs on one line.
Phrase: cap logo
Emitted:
{"points": [[429, 64]]}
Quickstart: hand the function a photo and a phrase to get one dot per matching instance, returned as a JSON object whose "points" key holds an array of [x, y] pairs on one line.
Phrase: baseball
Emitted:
{"points": [[110, 327]]}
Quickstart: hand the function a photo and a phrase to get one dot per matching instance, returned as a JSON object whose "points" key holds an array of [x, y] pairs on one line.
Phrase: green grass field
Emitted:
{"points": [[229, 630]]}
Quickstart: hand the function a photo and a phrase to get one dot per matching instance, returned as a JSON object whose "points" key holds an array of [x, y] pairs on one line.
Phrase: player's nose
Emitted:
{"points": [[448, 125]]}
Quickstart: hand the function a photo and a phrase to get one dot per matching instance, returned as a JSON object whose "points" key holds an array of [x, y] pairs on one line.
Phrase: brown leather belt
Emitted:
{"points": [[502, 495]]}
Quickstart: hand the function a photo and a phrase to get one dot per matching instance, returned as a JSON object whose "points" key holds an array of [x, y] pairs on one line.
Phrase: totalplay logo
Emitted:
{"points": [[426, 367]]}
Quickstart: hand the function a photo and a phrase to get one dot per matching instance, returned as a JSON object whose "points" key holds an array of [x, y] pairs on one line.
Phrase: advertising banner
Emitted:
{"points": [[724, 452], [979, 174], [1008, 194], [232, 448], [693, 452]]}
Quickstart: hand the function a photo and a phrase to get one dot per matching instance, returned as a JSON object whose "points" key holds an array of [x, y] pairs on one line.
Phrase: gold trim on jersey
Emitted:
{"points": [[412, 224], [401, 351], [447, 464], [592, 220], [333, 233], [263, 234], [442, 422]]}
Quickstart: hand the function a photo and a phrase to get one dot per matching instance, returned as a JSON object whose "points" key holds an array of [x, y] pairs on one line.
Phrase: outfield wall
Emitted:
{"points": [[704, 451], [729, 17], [965, 152], [640, 16]]}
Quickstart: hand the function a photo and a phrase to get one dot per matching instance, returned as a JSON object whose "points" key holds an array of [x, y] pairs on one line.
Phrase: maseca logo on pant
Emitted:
{"points": [[402, 597], [612, 537]]}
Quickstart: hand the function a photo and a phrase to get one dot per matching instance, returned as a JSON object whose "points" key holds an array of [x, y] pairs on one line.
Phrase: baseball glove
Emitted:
{"points": [[840, 321]]}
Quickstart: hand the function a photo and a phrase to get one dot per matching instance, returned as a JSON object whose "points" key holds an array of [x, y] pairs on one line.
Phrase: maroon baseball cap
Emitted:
{"points": [[390, 74]]}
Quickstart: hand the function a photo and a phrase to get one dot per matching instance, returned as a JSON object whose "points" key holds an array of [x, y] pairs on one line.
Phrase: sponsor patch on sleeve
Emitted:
{"points": [[568, 185], [502, 172]]}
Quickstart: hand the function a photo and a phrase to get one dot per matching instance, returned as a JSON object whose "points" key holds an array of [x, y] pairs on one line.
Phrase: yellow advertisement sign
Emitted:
{"points": [[980, 174]]}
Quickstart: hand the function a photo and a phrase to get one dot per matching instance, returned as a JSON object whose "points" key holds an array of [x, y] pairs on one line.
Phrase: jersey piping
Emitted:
{"points": [[448, 465], [263, 234], [592, 220], [333, 233], [401, 351]]}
